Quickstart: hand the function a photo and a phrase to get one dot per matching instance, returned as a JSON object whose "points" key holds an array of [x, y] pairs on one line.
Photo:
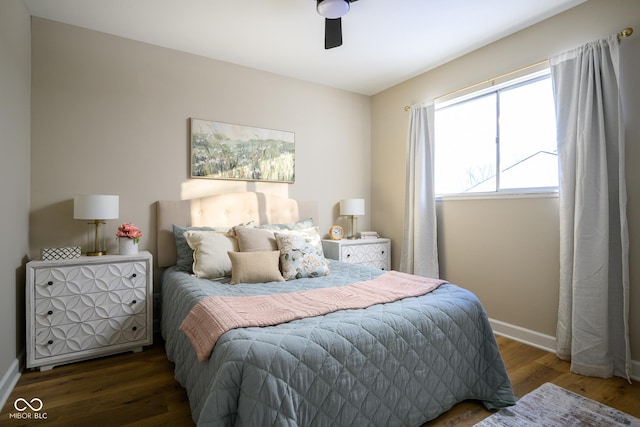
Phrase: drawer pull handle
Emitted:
{"points": [[382, 252], [348, 255], [50, 312], [135, 328], [49, 283], [50, 342], [134, 275], [134, 302]]}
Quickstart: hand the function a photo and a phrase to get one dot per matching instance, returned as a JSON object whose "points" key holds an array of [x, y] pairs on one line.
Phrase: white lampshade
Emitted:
{"points": [[352, 207], [96, 207], [333, 9]]}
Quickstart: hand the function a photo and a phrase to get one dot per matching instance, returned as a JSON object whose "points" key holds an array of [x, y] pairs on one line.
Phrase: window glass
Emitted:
{"points": [[465, 136], [503, 139], [528, 150]]}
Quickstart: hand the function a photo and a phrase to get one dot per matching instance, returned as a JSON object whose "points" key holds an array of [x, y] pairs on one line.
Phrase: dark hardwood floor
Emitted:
{"points": [[138, 389], [130, 389], [529, 368]]}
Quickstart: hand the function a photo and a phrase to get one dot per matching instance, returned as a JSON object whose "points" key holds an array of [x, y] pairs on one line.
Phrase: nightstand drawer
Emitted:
{"points": [[372, 252], [362, 254], [76, 337], [55, 311], [75, 280]]}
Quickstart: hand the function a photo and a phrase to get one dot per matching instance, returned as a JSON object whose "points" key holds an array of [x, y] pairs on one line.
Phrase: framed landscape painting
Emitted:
{"points": [[227, 151]]}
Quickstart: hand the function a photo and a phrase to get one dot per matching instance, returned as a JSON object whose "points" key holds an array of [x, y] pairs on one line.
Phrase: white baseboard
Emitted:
{"points": [[9, 381], [526, 336], [541, 341]]}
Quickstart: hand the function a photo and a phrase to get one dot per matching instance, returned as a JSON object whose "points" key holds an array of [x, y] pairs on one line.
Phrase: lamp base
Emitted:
{"points": [[97, 232], [99, 253], [354, 226]]}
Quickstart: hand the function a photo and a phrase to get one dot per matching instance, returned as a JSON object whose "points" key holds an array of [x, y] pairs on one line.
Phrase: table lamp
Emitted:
{"points": [[96, 208], [352, 208]]}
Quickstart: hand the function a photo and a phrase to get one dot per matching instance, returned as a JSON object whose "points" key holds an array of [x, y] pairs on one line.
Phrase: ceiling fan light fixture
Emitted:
{"points": [[332, 9]]}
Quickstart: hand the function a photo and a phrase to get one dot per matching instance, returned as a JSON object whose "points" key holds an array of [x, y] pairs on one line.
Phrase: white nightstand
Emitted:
{"points": [[88, 307], [372, 252]]}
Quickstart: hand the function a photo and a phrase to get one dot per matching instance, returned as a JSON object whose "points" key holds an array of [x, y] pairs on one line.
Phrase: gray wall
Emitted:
{"points": [[110, 115], [506, 250], [15, 98]]}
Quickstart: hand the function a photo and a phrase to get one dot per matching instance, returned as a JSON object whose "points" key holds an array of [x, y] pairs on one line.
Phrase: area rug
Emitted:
{"points": [[553, 406]]}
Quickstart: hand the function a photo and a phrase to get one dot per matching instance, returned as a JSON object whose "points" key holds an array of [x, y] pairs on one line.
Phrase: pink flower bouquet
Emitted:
{"points": [[129, 231]]}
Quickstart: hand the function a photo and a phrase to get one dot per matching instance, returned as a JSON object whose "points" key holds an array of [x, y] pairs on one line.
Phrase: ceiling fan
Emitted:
{"points": [[333, 11]]}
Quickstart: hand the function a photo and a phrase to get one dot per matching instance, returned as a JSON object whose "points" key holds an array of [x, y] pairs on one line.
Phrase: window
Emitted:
{"points": [[500, 139]]}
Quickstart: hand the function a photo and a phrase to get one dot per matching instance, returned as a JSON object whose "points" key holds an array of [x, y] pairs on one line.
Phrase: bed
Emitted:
{"points": [[399, 363]]}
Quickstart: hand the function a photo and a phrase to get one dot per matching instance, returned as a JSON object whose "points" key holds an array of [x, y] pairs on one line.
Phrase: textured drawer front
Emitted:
{"points": [[76, 280], [365, 254], [56, 311], [75, 337], [87, 307]]}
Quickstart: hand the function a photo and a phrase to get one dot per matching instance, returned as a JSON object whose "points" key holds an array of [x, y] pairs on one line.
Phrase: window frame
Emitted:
{"points": [[512, 80]]}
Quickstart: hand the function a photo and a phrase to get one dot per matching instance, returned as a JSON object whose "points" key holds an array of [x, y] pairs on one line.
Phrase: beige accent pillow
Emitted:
{"points": [[210, 248], [255, 267], [255, 239]]}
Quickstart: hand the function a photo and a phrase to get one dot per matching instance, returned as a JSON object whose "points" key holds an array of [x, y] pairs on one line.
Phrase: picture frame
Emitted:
{"points": [[234, 152]]}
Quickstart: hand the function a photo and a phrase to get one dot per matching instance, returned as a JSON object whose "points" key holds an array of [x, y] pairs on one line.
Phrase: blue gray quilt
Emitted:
{"points": [[397, 364]]}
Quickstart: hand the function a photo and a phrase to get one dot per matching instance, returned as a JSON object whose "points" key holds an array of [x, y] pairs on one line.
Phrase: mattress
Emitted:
{"points": [[400, 363]]}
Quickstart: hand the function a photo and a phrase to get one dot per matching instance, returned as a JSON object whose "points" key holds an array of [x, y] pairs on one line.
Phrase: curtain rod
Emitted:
{"points": [[408, 107], [627, 32]]}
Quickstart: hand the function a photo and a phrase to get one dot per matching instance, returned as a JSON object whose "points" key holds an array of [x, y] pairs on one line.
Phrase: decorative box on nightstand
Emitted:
{"points": [[372, 252], [88, 307]]}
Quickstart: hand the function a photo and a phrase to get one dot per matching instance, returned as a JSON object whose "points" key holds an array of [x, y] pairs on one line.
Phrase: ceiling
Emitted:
{"points": [[385, 41]]}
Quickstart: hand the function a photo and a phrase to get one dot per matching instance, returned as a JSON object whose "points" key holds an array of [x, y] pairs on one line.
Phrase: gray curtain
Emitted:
{"points": [[593, 317], [420, 243]]}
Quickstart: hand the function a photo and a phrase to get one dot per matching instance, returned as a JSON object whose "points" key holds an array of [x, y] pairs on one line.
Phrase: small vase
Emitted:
{"points": [[128, 246]]}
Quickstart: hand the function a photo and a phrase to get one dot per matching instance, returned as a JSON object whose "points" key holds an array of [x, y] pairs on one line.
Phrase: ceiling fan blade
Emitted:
{"points": [[332, 33]]}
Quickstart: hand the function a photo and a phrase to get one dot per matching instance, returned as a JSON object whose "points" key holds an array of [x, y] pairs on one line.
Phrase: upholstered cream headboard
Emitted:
{"points": [[224, 210]]}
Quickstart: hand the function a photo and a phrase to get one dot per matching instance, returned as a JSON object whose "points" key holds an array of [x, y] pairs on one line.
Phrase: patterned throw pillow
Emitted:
{"points": [[301, 254]]}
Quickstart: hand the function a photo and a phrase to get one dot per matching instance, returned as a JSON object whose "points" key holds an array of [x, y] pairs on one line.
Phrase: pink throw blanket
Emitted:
{"points": [[213, 316]]}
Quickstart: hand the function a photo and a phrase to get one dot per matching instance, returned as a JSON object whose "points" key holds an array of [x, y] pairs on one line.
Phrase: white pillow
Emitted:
{"points": [[210, 253]]}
